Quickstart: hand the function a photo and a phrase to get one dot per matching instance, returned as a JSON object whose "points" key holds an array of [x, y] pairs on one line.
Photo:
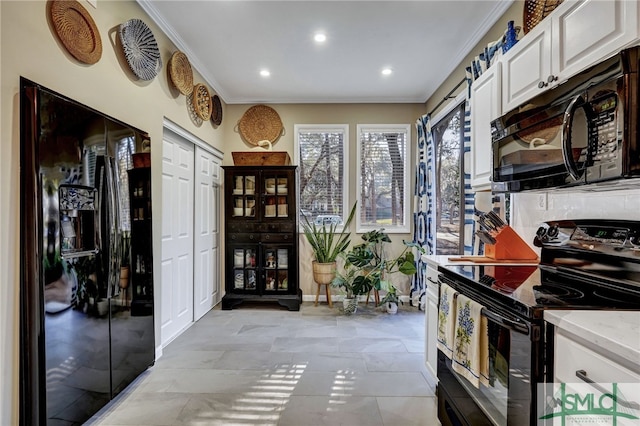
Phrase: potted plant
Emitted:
{"points": [[353, 283], [377, 269], [327, 245]]}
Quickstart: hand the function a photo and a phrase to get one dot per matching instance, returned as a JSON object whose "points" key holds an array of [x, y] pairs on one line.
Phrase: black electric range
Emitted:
{"points": [[584, 264]]}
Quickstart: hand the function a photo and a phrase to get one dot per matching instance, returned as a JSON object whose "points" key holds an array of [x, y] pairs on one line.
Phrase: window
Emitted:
{"points": [[383, 177], [449, 185], [322, 160]]}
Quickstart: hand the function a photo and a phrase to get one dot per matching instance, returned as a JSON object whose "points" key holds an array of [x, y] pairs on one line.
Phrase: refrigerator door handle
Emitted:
{"points": [[113, 218]]}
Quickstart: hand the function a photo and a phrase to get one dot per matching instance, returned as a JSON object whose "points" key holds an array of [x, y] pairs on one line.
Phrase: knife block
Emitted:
{"points": [[509, 246]]}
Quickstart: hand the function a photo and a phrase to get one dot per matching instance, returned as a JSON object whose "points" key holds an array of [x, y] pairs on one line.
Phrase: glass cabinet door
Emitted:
{"points": [[244, 195], [244, 268], [277, 195], [276, 267]]}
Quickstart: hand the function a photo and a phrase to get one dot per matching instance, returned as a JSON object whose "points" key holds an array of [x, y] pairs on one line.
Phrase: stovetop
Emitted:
{"points": [[531, 289], [584, 264]]}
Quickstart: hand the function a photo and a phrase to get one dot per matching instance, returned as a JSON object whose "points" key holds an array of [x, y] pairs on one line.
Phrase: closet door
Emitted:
{"points": [[206, 279], [176, 297]]}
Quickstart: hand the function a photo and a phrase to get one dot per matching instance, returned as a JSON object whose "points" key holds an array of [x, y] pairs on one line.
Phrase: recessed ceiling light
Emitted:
{"points": [[386, 71], [265, 73], [320, 37]]}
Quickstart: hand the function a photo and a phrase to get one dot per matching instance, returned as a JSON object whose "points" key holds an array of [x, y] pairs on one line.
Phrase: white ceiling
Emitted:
{"points": [[229, 42]]}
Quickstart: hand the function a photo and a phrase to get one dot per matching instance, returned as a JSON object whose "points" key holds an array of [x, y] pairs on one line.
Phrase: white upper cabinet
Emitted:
{"points": [[527, 66], [587, 32], [578, 34], [485, 106]]}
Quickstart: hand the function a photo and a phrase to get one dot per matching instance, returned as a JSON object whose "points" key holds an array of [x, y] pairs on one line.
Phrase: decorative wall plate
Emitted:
{"points": [[260, 122], [216, 113], [181, 73], [202, 101], [76, 30], [140, 48]]}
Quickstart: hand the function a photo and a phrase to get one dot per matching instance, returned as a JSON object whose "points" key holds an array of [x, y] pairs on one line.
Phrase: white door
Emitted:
{"points": [[206, 278], [176, 297]]}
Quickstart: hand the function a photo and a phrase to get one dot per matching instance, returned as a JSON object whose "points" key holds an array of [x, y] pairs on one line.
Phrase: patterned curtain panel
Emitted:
{"points": [[469, 194], [424, 213]]}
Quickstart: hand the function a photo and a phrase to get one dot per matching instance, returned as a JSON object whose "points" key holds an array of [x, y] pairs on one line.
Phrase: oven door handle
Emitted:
{"points": [[514, 325]]}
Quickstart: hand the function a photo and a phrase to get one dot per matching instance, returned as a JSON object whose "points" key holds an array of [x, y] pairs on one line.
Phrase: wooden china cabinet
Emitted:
{"points": [[261, 234]]}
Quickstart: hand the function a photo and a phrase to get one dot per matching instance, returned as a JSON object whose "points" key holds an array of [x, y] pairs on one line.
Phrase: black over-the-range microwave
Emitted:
{"points": [[583, 131]]}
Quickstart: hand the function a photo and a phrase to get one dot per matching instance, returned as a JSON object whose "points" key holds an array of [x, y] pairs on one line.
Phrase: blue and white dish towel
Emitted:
{"points": [[470, 342], [446, 319]]}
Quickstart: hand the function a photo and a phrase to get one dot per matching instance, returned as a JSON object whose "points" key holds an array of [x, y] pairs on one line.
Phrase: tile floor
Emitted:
{"points": [[262, 365]]}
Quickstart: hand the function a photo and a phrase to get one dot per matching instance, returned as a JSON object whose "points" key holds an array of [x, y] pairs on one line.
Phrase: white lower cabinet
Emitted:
{"points": [[572, 356], [584, 367], [431, 320]]}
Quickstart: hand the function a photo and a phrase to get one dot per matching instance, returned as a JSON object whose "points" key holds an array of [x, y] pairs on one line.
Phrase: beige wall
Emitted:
{"points": [[30, 48], [351, 114], [514, 13]]}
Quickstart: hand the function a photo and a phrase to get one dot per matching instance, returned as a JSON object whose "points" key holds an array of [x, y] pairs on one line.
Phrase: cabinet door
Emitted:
{"points": [[242, 264], [485, 106], [527, 66], [243, 195], [276, 268], [431, 331], [278, 194], [589, 31]]}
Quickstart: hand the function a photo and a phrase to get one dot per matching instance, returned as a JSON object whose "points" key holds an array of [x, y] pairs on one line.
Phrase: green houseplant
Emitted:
{"points": [[327, 244], [353, 283], [376, 269]]}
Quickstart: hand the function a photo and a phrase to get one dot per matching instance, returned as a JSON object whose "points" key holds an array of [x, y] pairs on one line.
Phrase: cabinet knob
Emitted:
{"points": [[266, 237], [542, 84], [552, 78], [251, 237]]}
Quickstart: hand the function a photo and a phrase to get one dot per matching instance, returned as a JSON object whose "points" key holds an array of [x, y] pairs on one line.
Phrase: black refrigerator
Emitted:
{"points": [[86, 296]]}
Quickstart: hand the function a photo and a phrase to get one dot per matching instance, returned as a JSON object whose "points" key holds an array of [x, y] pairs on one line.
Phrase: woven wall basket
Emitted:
{"points": [[535, 11], [202, 101], [181, 73], [259, 123], [77, 30]]}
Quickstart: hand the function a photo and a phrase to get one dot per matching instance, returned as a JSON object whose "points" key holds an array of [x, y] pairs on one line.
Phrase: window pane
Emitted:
{"points": [[449, 183], [322, 171], [383, 181]]}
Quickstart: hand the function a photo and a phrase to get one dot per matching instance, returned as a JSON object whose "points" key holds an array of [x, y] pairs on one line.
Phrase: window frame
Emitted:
{"points": [[407, 178], [456, 103], [326, 128]]}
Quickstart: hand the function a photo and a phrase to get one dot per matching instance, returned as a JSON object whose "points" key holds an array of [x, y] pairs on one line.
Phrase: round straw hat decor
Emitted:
{"points": [[202, 101], [77, 30], [259, 123], [181, 73]]}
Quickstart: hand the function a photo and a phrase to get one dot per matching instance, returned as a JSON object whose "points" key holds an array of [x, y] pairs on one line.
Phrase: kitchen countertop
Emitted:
{"points": [[617, 332], [446, 259]]}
